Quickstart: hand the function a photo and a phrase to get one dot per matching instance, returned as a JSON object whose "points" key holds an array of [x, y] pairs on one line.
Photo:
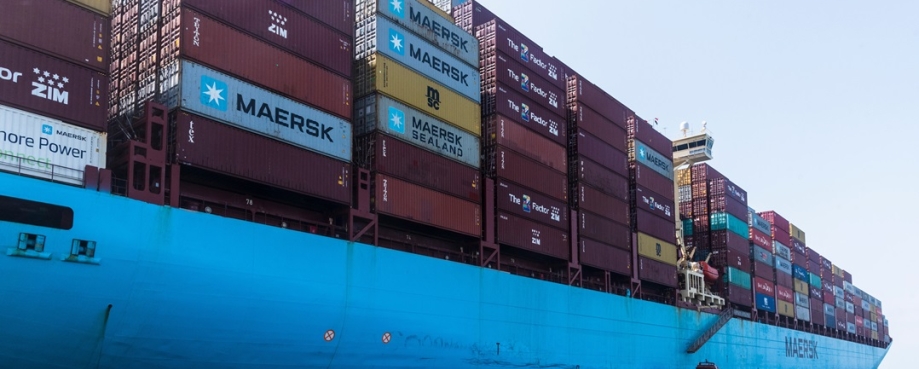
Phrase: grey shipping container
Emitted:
{"points": [[48, 86], [507, 102], [657, 161], [605, 205], [507, 164], [502, 131], [533, 236], [657, 272], [593, 148], [501, 69], [426, 206], [337, 13], [762, 255], [606, 257], [602, 229], [532, 205], [598, 125], [600, 177], [59, 28], [204, 143]]}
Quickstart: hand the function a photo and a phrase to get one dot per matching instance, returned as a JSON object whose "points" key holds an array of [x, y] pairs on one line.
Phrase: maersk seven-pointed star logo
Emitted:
{"points": [[47, 129], [395, 6], [396, 42], [213, 93], [396, 120]]}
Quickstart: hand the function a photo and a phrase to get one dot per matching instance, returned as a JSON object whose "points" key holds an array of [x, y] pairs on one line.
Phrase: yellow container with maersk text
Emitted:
{"points": [[379, 73], [656, 249]]}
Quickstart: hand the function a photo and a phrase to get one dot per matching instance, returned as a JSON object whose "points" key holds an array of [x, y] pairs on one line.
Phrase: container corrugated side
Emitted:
{"points": [[51, 87], [765, 303], [796, 232], [205, 143], [653, 159], [533, 236], [803, 313], [654, 225], [103, 7], [727, 221], [600, 177], [606, 257], [782, 265], [763, 286], [784, 293], [500, 36], [78, 35], [507, 102], [415, 203], [215, 44], [763, 256], [721, 258], [517, 168], [48, 148], [775, 219], [502, 70], [505, 132], [759, 223], [781, 250], [763, 270], [379, 73], [785, 308], [379, 35], [593, 96], [286, 28], [738, 277], [657, 272], [380, 112], [655, 203], [529, 204], [760, 239], [801, 287], [643, 176], [593, 148], [599, 228], [814, 280], [640, 130], [657, 249], [598, 125], [739, 295], [427, 21], [337, 13], [593, 200], [216, 95]]}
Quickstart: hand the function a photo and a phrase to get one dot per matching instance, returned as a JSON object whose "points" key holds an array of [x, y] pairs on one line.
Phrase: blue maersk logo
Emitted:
{"points": [[213, 93], [396, 42], [47, 129], [396, 120], [395, 7]]}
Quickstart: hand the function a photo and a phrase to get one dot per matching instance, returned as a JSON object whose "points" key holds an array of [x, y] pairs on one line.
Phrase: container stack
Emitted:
{"points": [[54, 87], [829, 295], [777, 273], [417, 124], [252, 90]]}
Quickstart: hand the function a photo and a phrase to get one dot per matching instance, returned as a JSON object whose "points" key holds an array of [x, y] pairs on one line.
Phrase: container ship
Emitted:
{"points": [[368, 183]]}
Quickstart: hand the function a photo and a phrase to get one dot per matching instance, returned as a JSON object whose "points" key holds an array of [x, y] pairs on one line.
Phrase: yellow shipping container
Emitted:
{"points": [[797, 233], [656, 249], [103, 7], [379, 73], [801, 287], [684, 177], [874, 335], [437, 10], [785, 308]]}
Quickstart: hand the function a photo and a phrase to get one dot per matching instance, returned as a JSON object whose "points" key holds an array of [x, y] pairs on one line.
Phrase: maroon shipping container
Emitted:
{"points": [[817, 313], [596, 227], [826, 275], [59, 28], [614, 133], [850, 298], [784, 293], [532, 236], [846, 276], [799, 258], [593, 148], [286, 28], [532, 205], [415, 203], [722, 203], [606, 257], [471, 14], [517, 168], [739, 295], [336, 13], [702, 173], [210, 42], [777, 221], [495, 35], [783, 279], [655, 203], [837, 281], [828, 296], [841, 319], [764, 271], [507, 102], [761, 239], [640, 130], [653, 225], [427, 169], [797, 246], [507, 133], [723, 186], [205, 143], [594, 97], [813, 267], [725, 257], [763, 286], [600, 203], [826, 263], [48, 86], [726, 239], [657, 272], [646, 177], [781, 235], [501, 69], [816, 293], [601, 178]]}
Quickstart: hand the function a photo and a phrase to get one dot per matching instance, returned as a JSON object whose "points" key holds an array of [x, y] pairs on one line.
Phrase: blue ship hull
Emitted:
{"points": [[193, 290]]}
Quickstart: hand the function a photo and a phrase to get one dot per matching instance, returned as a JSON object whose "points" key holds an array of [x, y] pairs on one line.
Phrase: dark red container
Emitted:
{"points": [[817, 313], [797, 247], [217, 45], [657, 272], [655, 203], [48, 86], [598, 228], [724, 187], [813, 267], [600, 203], [850, 298], [777, 221], [739, 295], [846, 276], [784, 293], [763, 271], [763, 286], [722, 203], [799, 258], [532, 236], [597, 125], [828, 296], [504, 70], [286, 28], [471, 14], [606, 257], [517, 168], [783, 279], [702, 173], [653, 225], [59, 28], [426, 206], [593, 148], [825, 275], [336, 13], [532, 205], [725, 257], [499, 36], [826, 263], [816, 293], [427, 169], [639, 129], [841, 319], [726, 239], [781, 235], [760, 239], [207, 144], [601, 178], [649, 179], [507, 102], [589, 94], [505, 132], [814, 256]]}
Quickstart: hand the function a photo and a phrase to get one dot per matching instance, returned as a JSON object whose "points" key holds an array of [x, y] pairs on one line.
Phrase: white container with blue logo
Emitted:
{"points": [[653, 159], [204, 91]]}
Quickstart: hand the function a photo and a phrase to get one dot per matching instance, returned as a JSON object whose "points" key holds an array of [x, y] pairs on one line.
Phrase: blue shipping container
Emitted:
{"points": [[428, 24], [850, 307], [781, 250], [782, 265], [421, 56], [216, 95], [759, 223], [722, 221], [850, 327], [799, 272], [654, 160], [765, 302], [687, 227], [815, 280], [829, 310], [760, 254], [830, 321], [379, 112]]}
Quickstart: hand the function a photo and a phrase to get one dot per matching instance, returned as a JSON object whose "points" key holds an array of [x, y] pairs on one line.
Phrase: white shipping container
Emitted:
{"points": [[47, 148]]}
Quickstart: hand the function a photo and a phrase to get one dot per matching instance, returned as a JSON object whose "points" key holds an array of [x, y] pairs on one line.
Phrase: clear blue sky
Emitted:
{"points": [[814, 106]]}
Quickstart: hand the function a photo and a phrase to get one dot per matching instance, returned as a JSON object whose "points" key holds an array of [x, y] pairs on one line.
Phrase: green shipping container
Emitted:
{"points": [[738, 277], [815, 281], [687, 227], [722, 221]]}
